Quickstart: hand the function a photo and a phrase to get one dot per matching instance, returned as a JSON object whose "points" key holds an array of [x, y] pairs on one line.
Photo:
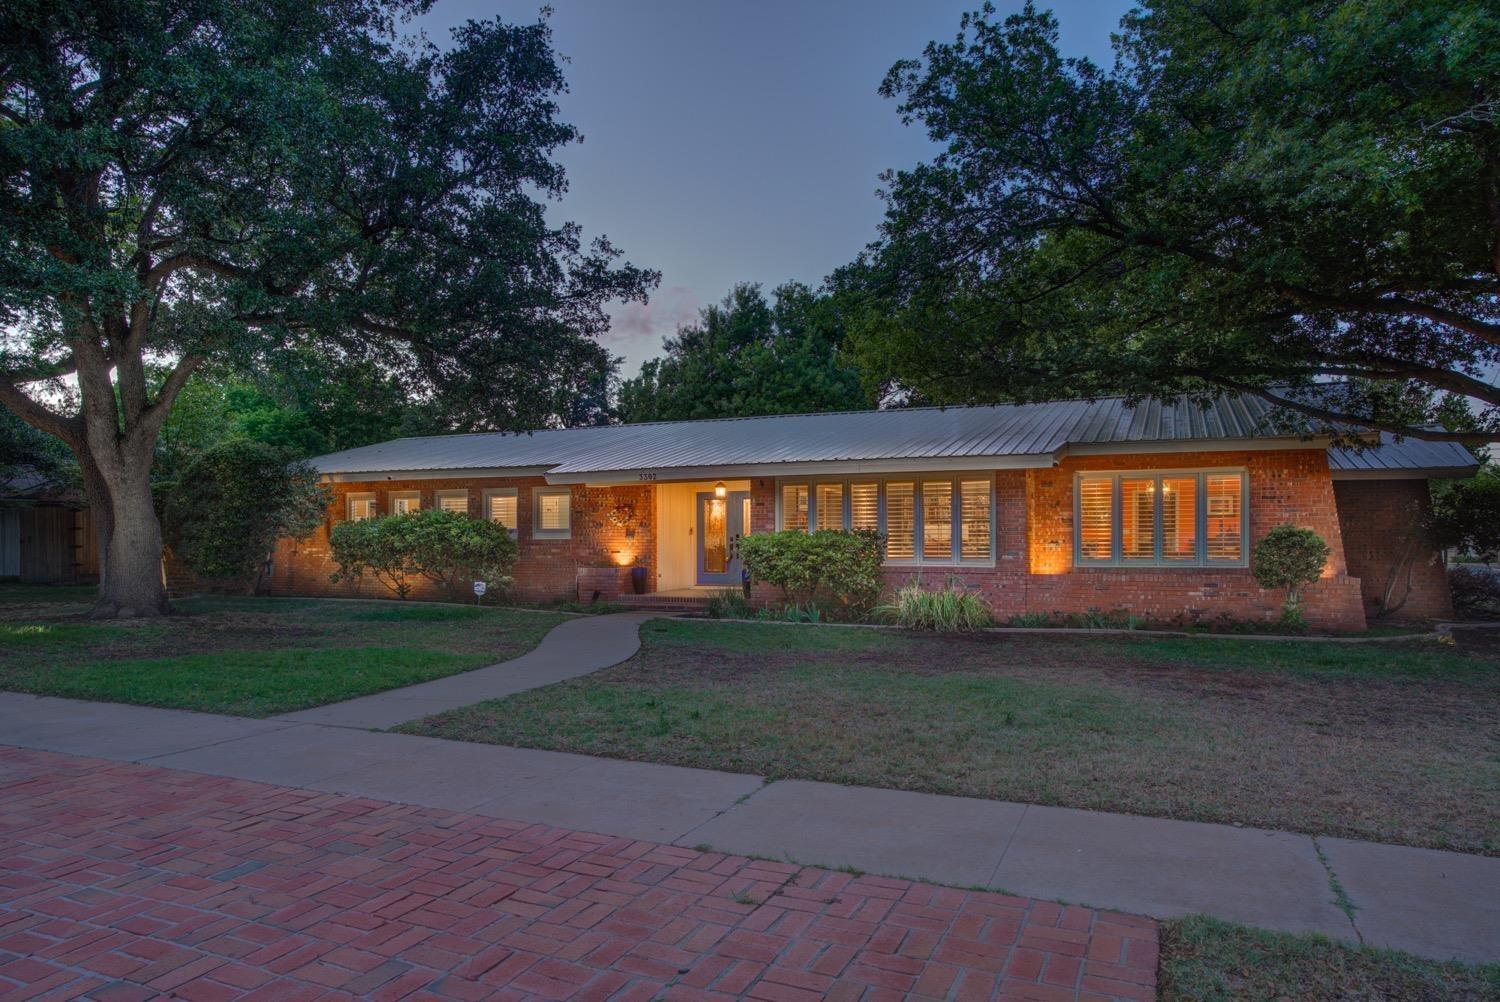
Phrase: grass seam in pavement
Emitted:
{"points": [[1341, 898]]}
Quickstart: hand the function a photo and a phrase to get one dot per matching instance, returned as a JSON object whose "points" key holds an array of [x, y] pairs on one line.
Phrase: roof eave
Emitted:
{"points": [[818, 468], [1411, 473], [457, 473]]}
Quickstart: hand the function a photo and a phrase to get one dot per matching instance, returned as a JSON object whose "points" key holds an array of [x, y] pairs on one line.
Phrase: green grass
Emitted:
{"points": [[1392, 742], [248, 656], [1206, 960]]}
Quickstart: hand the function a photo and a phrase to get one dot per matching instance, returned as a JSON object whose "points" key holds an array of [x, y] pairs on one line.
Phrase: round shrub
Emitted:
{"points": [[447, 548], [1291, 558], [841, 569]]}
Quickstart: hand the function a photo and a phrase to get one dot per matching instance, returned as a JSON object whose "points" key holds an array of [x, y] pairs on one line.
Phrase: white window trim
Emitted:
{"points": [[439, 496], [916, 480], [537, 493], [349, 500], [501, 492], [404, 495], [1158, 562]]}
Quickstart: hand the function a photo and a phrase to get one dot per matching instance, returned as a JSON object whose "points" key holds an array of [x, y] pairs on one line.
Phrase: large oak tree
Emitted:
{"points": [[193, 181], [1299, 200]]}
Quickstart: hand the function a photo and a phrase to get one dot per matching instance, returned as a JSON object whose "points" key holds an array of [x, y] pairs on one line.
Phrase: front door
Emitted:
{"points": [[720, 522]]}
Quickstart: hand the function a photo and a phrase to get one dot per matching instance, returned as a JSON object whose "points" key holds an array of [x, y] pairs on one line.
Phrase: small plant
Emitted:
{"points": [[729, 603], [1290, 558], [794, 612], [949, 609], [1098, 619], [1030, 620]]}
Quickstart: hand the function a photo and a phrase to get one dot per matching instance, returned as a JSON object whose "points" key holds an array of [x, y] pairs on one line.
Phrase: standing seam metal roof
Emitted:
{"points": [[1008, 430]]}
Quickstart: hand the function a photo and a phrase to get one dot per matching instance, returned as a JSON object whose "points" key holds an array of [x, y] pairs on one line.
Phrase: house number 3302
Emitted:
{"points": [[646, 476]]}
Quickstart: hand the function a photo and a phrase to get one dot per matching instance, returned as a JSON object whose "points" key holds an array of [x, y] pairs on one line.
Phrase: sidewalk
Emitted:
{"points": [[1436, 904]]}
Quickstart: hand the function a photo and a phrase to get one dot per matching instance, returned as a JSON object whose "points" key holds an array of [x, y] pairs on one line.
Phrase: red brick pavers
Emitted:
{"points": [[122, 881]]}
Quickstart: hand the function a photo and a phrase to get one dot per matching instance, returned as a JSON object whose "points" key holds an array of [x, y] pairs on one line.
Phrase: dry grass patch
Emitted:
{"points": [[1396, 743]]}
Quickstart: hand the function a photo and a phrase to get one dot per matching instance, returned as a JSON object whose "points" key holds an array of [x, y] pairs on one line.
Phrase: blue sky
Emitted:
{"points": [[729, 142]]}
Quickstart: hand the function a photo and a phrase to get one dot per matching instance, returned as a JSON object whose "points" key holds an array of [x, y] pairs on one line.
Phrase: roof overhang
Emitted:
{"points": [[455, 474], [827, 468], [1319, 443], [1414, 473]]}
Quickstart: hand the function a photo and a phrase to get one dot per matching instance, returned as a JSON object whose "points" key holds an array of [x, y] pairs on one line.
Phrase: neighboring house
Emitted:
{"points": [[1057, 507], [46, 534]]}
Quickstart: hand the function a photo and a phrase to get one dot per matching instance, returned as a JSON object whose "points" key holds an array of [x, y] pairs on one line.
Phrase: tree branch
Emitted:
{"points": [[1338, 418]]}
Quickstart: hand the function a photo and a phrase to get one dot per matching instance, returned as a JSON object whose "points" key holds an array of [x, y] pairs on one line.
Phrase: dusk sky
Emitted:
{"points": [[730, 142]]}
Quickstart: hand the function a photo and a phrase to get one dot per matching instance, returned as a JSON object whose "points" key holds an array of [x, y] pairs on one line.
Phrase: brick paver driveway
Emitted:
{"points": [[128, 881]]}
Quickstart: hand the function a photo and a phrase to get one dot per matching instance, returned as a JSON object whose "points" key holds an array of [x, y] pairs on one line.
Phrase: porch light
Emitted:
{"points": [[720, 490]]}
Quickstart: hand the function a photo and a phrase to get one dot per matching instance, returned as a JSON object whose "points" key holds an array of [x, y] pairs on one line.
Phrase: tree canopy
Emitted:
{"points": [[745, 357], [1299, 200], [185, 184]]}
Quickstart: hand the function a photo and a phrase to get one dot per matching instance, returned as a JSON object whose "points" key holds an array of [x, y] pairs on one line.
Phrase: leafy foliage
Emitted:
{"points": [[1292, 558], [446, 548], [24, 450], [829, 566], [1299, 200], [235, 184], [747, 357], [231, 504], [949, 609], [1475, 590], [1467, 514]]}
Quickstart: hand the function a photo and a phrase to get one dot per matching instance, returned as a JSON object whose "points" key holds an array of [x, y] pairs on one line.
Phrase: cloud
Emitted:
{"points": [[643, 325]]}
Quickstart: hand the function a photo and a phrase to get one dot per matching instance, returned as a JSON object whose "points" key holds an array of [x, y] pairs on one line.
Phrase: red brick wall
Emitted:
{"points": [[1034, 572], [1385, 523], [546, 570]]}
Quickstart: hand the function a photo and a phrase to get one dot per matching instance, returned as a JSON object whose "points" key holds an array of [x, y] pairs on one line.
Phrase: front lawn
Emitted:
{"points": [[1206, 960], [1392, 742], [247, 656]]}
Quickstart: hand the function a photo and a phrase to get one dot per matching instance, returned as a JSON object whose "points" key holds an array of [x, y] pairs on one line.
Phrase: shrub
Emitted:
{"points": [[1467, 514], [445, 547], [1289, 558], [949, 609], [1476, 591], [837, 570], [233, 501], [729, 603]]}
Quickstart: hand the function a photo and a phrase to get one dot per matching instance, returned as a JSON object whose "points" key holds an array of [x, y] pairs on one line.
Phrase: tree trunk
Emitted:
{"points": [[130, 576]]}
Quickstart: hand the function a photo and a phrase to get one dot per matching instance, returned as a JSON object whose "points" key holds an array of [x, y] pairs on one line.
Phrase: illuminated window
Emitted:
{"points": [[864, 507], [361, 507], [553, 515], [974, 520], [500, 507], [794, 507], [406, 502], [829, 511], [454, 501], [937, 520], [1161, 519], [900, 521]]}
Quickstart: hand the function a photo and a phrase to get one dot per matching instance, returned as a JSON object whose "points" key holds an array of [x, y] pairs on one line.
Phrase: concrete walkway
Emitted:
{"points": [[1437, 904], [574, 647]]}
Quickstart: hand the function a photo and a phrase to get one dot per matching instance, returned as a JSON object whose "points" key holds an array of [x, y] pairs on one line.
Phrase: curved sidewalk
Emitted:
{"points": [[574, 647]]}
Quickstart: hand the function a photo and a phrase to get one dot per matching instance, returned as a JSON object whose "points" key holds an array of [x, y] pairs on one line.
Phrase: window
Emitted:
{"points": [[406, 502], [361, 507], [937, 520], [901, 521], [500, 507], [454, 501], [1181, 518], [830, 506], [794, 507], [943, 521], [974, 520], [553, 517], [864, 506]]}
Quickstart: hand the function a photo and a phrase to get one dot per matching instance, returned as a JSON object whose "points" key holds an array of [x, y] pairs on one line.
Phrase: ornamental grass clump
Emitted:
{"points": [[1290, 558], [949, 609]]}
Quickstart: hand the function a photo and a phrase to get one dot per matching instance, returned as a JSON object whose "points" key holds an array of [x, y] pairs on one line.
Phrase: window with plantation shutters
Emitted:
{"points": [[900, 521], [500, 507], [932, 520], [864, 506], [829, 507], [553, 514], [406, 502], [456, 502], [794, 507], [1182, 518], [361, 507]]}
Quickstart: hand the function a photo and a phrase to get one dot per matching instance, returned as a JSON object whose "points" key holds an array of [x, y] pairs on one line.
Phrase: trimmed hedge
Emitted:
{"points": [[835, 570], [444, 547]]}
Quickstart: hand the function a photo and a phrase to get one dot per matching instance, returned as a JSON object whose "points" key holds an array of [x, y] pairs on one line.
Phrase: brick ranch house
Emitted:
{"points": [[1150, 510]]}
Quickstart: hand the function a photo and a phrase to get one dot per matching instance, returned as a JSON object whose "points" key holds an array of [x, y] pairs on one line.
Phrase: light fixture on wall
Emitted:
{"points": [[720, 490]]}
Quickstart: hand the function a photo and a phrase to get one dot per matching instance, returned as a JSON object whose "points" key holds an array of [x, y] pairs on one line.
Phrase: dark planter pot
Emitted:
{"points": [[638, 580]]}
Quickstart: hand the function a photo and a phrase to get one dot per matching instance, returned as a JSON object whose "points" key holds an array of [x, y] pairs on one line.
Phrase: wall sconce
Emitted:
{"points": [[720, 490]]}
